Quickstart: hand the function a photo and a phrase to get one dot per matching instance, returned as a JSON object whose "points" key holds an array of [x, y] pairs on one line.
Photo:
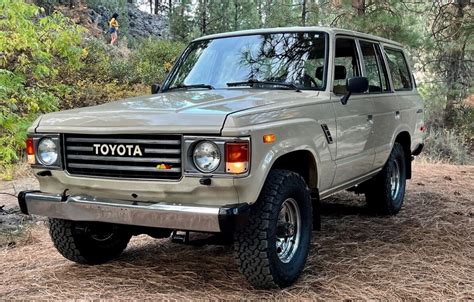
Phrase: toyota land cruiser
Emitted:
{"points": [[248, 132]]}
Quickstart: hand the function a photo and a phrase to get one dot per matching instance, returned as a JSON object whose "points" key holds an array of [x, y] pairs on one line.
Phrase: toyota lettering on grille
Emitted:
{"points": [[120, 150]]}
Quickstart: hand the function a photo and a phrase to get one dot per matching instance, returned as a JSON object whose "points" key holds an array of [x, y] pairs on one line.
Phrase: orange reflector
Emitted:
{"points": [[30, 149], [269, 138], [236, 157], [237, 152]]}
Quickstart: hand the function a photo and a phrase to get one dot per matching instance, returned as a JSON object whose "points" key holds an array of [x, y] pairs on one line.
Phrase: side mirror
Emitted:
{"points": [[355, 85], [155, 88]]}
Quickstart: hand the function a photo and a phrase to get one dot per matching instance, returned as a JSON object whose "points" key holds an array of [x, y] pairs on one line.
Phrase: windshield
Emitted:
{"points": [[292, 58]]}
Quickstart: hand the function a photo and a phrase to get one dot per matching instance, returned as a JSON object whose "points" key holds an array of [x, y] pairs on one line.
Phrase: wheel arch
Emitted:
{"points": [[404, 139], [302, 162]]}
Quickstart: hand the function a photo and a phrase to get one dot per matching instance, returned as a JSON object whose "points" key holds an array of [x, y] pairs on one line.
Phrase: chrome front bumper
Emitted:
{"points": [[159, 215]]}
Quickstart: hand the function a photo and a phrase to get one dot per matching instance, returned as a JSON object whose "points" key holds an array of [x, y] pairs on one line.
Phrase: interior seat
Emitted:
{"points": [[340, 73]]}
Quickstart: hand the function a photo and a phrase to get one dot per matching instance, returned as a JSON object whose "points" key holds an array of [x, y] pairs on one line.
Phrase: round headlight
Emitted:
{"points": [[47, 151], [206, 156]]}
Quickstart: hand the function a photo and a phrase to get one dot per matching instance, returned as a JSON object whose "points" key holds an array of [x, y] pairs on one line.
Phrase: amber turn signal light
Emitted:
{"points": [[269, 138], [237, 157]]}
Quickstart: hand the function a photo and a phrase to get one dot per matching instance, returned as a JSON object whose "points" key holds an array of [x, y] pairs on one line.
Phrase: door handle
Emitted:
{"points": [[397, 114], [370, 118]]}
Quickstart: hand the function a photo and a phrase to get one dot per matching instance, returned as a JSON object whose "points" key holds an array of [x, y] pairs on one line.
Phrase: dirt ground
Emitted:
{"points": [[426, 252]]}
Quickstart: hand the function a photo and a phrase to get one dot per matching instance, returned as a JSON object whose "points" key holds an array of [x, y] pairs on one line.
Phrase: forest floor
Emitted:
{"points": [[425, 252]]}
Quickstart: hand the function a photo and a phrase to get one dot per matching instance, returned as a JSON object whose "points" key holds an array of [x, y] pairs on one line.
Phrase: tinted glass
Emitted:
{"points": [[399, 69], [346, 64], [290, 57], [371, 66]]}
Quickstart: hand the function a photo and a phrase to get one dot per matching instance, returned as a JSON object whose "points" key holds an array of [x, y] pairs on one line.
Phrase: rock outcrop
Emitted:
{"points": [[140, 23], [135, 22]]}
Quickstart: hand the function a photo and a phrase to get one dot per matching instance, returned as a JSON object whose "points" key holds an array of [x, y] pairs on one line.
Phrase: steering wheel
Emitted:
{"points": [[307, 77]]}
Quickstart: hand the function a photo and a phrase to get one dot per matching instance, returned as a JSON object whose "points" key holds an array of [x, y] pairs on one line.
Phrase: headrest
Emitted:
{"points": [[319, 73], [339, 72]]}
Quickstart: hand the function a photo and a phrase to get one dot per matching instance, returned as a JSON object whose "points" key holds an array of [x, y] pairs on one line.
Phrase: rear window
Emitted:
{"points": [[399, 69], [376, 74]]}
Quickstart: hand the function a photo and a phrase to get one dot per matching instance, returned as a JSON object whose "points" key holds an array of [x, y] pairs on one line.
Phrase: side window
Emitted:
{"points": [[346, 64], [383, 69], [371, 66], [399, 69]]}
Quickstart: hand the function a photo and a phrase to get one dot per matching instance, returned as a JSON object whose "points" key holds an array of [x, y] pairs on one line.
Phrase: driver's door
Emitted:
{"points": [[354, 150]]}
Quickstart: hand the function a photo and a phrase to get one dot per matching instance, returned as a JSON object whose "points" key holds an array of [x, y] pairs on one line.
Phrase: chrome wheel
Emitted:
{"points": [[288, 230], [394, 180]]}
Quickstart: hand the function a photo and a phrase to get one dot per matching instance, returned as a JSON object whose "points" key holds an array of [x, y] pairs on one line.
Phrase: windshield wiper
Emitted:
{"points": [[253, 82], [184, 86]]}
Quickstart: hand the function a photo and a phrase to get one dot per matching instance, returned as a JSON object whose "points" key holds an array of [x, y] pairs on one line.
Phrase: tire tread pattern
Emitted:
{"points": [[378, 195], [252, 244], [70, 245]]}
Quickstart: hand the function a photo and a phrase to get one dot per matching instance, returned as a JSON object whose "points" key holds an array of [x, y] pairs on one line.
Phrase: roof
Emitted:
{"points": [[329, 30]]}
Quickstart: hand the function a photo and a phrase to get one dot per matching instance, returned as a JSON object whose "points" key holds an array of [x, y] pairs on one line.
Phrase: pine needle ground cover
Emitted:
{"points": [[423, 253]]}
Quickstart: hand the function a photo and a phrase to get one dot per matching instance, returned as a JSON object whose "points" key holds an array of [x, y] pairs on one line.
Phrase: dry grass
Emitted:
{"points": [[22, 170], [426, 252], [19, 236]]}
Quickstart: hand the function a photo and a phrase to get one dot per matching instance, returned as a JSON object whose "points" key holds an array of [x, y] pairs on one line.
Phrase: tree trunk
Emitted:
{"points": [[203, 17], [236, 15], [157, 7], [359, 6], [455, 60], [303, 13]]}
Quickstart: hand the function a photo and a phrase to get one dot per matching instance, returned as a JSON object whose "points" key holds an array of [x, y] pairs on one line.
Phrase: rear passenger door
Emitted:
{"points": [[386, 106], [355, 148], [410, 116]]}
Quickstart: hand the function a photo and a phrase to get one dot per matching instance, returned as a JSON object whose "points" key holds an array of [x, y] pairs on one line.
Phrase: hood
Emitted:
{"points": [[194, 111]]}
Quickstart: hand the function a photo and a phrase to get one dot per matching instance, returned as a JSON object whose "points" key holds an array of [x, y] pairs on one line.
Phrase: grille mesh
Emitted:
{"points": [[124, 156]]}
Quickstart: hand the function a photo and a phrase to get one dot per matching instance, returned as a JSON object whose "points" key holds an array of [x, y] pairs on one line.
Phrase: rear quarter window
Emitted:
{"points": [[399, 69]]}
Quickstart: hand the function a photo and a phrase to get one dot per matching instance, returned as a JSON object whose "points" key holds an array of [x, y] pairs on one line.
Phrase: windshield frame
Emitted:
{"points": [[168, 79]]}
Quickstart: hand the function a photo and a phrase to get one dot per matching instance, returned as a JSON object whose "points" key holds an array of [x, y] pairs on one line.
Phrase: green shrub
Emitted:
{"points": [[148, 63], [153, 59], [454, 145], [443, 145], [49, 63], [34, 50]]}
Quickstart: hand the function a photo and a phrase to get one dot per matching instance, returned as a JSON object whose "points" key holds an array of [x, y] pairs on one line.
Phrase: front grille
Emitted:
{"points": [[124, 156]]}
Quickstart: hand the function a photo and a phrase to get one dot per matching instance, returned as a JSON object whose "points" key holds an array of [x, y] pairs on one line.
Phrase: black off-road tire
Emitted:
{"points": [[255, 243], [379, 189], [74, 240]]}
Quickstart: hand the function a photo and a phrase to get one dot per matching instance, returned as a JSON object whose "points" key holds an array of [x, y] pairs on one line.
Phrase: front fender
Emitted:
{"points": [[294, 135]]}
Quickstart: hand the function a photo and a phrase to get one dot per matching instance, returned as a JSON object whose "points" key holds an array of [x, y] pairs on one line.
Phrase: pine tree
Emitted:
{"points": [[181, 25]]}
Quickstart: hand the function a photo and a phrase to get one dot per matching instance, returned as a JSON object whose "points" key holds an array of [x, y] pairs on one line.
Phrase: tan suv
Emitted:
{"points": [[247, 133]]}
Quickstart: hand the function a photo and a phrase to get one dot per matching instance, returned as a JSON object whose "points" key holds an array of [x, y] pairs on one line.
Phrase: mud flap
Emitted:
{"points": [[316, 211]]}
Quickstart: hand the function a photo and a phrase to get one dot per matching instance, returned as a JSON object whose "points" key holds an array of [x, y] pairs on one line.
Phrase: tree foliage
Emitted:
{"points": [[34, 51], [48, 63], [438, 35]]}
